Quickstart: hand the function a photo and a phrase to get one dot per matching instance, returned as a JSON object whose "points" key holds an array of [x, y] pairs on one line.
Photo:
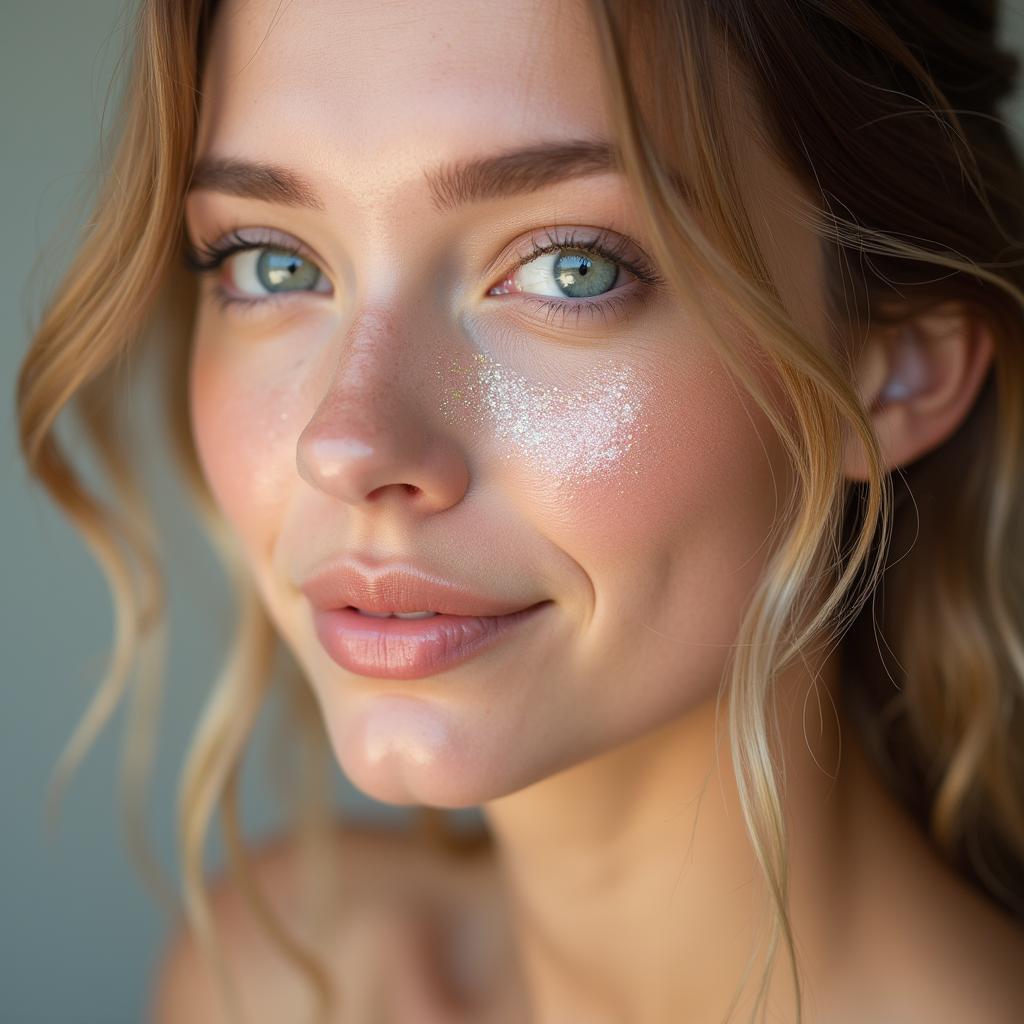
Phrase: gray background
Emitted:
{"points": [[78, 931]]}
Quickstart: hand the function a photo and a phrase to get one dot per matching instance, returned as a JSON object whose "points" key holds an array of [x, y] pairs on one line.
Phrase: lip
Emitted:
{"points": [[411, 648], [468, 621], [399, 588]]}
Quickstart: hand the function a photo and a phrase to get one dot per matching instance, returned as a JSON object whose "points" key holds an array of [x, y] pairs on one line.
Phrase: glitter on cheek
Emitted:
{"points": [[572, 435]]}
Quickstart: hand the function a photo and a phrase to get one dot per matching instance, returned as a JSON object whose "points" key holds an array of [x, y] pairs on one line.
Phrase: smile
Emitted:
{"points": [[406, 645]]}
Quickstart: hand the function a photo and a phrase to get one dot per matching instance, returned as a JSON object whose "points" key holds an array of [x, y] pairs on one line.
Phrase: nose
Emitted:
{"points": [[374, 437]]}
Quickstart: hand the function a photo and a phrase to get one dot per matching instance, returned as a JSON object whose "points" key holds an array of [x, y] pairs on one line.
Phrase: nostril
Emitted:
{"points": [[385, 489]]}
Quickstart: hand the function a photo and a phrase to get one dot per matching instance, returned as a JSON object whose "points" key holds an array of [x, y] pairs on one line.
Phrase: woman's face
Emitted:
{"points": [[401, 394]]}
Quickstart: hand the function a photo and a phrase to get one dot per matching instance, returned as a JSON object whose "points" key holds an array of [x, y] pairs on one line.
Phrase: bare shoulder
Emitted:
{"points": [[922, 943], [939, 951], [979, 952], [953, 960], [384, 877]]}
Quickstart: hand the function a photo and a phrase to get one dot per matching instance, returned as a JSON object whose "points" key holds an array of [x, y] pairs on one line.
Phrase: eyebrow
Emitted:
{"points": [[451, 184]]}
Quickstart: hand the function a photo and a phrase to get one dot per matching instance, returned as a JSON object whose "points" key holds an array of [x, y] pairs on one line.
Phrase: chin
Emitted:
{"points": [[407, 750]]}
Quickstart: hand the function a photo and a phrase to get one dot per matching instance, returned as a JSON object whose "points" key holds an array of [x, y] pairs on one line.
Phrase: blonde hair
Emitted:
{"points": [[839, 89]]}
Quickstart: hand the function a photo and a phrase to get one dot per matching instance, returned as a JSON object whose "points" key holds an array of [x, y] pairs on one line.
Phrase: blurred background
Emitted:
{"points": [[79, 932]]}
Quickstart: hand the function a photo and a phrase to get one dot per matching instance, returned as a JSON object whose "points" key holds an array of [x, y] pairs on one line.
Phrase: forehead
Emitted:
{"points": [[365, 94]]}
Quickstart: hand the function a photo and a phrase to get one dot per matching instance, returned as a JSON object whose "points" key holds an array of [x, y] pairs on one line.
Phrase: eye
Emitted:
{"points": [[258, 269], [579, 274], [274, 270], [564, 273]]}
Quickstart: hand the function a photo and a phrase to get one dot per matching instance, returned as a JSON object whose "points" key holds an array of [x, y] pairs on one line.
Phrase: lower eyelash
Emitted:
{"points": [[616, 305], [224, 298]]}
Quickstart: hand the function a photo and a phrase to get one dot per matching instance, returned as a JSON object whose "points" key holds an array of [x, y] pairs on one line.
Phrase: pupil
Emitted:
{"points": [[575, 270], [283, 271], [280, 269]]}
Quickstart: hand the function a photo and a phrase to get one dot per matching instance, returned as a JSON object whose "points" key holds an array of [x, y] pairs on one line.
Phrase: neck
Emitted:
{"points": [[634, 888]]}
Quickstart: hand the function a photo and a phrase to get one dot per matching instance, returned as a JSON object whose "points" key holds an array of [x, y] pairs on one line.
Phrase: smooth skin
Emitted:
{"points": [[589, 739]]}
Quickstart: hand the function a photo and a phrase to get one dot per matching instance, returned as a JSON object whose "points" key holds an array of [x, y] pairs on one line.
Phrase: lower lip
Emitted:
{"points": [[394, 648]]}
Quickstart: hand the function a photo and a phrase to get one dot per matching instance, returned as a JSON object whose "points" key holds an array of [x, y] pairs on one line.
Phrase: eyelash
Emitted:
{"points": [[206, 258], [605, 245]]}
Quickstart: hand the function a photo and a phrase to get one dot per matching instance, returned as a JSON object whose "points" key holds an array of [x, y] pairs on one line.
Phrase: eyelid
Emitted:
{"points": [[602, 241], [207, 256], [617, 304]]}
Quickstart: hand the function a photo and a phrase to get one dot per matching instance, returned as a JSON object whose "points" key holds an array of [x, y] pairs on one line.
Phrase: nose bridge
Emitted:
{"points": [[375, 360], [373, 433]]}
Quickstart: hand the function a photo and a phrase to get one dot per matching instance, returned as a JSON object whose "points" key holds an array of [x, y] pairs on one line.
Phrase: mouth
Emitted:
{"points": [[412, 645]]}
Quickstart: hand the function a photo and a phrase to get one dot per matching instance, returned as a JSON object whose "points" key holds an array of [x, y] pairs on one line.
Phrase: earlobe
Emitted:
{"points": [[918, 382]]}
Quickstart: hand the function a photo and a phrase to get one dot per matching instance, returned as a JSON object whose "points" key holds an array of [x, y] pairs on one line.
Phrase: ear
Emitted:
{"points": [[918, 381]]}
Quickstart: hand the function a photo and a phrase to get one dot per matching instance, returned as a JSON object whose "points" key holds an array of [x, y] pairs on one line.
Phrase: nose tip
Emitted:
{"points": [[374, 434], [400, 465]]}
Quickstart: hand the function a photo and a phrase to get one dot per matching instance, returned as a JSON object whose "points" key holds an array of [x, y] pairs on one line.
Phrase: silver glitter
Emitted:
{"points": [[571, 434]]}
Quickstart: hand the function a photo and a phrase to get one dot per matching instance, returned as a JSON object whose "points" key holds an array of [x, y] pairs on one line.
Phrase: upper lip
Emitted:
{"points": [[398, 588]]}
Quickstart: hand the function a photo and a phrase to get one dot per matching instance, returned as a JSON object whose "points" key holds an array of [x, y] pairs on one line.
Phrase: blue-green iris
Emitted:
{"points": [[581, 278], [282, 271]]}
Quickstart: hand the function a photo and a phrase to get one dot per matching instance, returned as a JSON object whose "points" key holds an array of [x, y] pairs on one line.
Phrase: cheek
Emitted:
{"points": [[627, 451], [660, 483], [673, 545], [244, 432], [707, 505], [709, 464], [567, 440]]}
